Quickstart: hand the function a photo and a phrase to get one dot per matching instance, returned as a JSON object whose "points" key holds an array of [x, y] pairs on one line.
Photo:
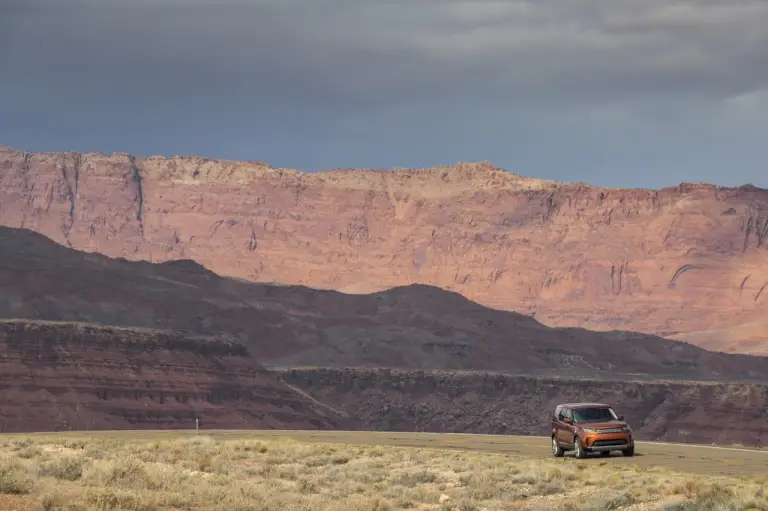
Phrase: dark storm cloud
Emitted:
{"points": [[676, 75], [372, 52]]}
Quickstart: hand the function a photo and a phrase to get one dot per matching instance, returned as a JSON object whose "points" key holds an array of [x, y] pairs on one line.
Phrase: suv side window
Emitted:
{"points": [[567, 413], [558, 412]]}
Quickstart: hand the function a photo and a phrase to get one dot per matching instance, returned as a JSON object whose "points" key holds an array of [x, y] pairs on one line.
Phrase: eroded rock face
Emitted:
{"points": [[689, 262], [59, 377], [447, 402]]}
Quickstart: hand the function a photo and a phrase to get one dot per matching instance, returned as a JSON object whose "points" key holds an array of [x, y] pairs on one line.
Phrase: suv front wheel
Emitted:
{"points": [[629, 451], [578, 449]]}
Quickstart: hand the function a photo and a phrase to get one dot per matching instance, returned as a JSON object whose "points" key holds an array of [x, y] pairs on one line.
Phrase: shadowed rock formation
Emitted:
{"points": [[413, 327], [451, 402]]}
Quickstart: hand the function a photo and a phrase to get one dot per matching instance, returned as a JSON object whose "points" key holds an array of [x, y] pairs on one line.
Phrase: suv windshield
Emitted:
{"points": [[596, 414]]}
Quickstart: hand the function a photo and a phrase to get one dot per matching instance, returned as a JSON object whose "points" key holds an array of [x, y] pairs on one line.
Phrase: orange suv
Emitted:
{"points": [[590, 427]]}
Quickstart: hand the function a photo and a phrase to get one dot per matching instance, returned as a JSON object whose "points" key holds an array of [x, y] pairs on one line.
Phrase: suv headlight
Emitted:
{"points": [[626, 428]]}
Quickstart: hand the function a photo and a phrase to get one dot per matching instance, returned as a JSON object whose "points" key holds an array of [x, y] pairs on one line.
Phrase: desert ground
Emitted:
{"points": [[303, 470]]}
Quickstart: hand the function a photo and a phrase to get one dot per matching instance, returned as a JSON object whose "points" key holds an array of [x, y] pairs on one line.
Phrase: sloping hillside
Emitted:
{"points": [[410, 327]]}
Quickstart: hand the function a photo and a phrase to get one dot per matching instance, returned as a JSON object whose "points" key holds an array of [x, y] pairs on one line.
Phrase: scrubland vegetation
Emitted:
{"points": [[200, 473]]}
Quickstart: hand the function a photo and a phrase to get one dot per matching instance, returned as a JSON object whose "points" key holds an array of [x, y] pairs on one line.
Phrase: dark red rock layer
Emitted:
{"points": [[58, 377]]}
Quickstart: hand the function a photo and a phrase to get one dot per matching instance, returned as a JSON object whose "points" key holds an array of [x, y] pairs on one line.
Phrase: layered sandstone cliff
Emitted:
{"points": [[451, 402], [70, 376], [690, 262]]}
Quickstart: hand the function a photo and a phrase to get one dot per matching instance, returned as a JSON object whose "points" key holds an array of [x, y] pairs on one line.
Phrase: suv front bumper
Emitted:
{"points": [[607, 441]]}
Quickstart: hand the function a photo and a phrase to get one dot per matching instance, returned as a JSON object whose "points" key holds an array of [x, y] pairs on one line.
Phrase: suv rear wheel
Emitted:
{"points": [[557, 451]]}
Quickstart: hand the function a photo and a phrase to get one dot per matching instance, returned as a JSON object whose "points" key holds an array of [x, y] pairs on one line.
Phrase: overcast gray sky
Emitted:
{"points": [[612, 92]]}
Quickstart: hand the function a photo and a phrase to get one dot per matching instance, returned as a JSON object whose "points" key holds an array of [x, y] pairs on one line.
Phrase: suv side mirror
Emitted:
{"points": [[567, 420], [621, 417]]}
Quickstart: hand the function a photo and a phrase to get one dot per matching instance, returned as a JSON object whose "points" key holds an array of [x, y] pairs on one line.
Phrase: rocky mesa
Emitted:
{"points": [[687, 262]]}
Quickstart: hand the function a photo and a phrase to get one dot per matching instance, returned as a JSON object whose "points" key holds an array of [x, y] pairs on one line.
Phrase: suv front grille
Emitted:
{"points": [[608, 443], [610, 430]]}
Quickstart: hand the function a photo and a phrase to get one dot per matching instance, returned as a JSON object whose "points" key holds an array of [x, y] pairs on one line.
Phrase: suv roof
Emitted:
{"points": [[580, 405]]}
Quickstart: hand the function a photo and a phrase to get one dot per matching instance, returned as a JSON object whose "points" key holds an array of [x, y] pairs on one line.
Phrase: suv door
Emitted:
{"points": [[556, 416], [565, 430], [559, 425]]}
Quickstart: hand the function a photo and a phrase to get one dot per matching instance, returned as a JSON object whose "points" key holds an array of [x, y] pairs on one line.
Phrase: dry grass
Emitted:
{"points": [[200, 473]]}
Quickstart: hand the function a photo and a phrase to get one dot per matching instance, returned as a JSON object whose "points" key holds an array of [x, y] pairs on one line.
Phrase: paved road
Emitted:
{"points": [[684, 458]]}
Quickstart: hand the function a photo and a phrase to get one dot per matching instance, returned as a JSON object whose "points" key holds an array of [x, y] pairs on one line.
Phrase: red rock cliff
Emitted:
{"points": [[689, 262]]}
